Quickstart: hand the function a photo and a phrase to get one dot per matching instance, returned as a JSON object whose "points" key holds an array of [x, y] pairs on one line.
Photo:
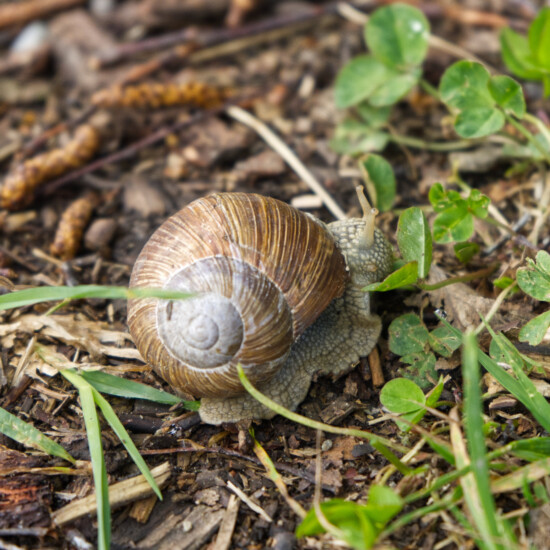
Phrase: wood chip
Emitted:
{"points": [[119, 493], [223, 540]]}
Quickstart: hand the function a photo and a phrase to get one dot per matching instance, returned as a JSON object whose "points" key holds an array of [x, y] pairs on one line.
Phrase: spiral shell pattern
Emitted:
{"points": [[261, 272]]}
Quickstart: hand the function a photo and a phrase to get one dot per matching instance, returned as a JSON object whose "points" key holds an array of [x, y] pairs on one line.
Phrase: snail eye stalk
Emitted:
{"points": [[369, 215]]}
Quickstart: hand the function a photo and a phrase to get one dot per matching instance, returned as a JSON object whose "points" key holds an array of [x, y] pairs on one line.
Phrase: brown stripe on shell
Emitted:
{"points": [[293, 250]]}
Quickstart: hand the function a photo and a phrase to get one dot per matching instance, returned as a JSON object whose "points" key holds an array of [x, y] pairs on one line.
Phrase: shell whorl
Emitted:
{"points": [[262, 272]]}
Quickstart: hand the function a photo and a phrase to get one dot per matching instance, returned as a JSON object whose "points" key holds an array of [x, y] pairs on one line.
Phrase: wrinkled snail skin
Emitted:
{"points": [[277, 291], [345, 332]]}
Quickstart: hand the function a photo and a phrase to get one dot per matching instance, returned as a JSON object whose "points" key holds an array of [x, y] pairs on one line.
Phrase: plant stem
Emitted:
{"points": [[460, 278], [543, 129], [528, 135], [374, 439], [427, 87], [431, 145], [494, 308]]}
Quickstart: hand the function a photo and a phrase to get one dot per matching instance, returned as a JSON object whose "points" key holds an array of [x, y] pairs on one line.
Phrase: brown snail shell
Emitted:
{"points": [[262, 271]]}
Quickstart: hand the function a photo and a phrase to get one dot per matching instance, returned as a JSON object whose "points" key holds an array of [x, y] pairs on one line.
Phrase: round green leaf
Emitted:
{"points": [[383, 504], [415, 239], [352, 137], [380, 174], [535, 278], [394, 89], [478, 204], [508, 94], [533, 332], [358, 79], [464, 86], [478, 122], [407, 334], [401, 395], [454, 224], [374, 117], [398, 35]]}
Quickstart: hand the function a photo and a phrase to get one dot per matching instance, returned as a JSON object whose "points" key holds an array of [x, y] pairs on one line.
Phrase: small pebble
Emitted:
{"points": [[30, 38]]}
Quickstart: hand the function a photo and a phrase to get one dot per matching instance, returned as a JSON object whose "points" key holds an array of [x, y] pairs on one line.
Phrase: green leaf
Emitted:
{"points": [[26, 434], [415, 239], [401, 395], [421, 368], [539, 38], [433, 396], [40, 294], [358, 80], [380, 174], [478, 122], [352, 138], [503, 282], [478, 204], [466, 251], [404, 276], [533, 332], [396, 86], [508, 94], [464, 86], [351, 518], [534, 279], [443, 341], [517, 55], [374, 117], [114, 385], [407, 334], [383, 504], [398, 35], [454, 224], [438, 197]]}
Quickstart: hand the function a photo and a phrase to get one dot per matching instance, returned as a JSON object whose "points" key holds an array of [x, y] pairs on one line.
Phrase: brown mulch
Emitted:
{"points": [[148, 164]]}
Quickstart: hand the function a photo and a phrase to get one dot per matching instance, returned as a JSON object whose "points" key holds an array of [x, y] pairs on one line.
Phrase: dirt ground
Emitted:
{"points": [[281, 60]]}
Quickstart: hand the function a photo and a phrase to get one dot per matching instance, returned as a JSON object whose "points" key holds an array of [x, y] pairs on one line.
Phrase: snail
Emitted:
{"points": [[274, 289]]}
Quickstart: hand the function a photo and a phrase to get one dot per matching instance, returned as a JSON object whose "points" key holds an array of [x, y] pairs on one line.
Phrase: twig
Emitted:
{"points": [[52, 131], [321, 518], [119, 493], [225, 532], [203, 40], [129, 151], [301, 474], [23, 12], [494, 308], [252, 505], [288, 155]]}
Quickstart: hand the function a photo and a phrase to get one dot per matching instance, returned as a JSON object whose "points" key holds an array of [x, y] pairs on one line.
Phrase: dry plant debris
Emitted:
{"points": [[129, 110]]}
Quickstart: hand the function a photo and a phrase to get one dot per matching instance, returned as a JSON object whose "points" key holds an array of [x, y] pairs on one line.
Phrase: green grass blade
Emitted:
{"points": [[36, 295], [93, 432], [481, 504], [299, 419], [115, 385], [124, 437], [541, 411], [526, 474], [534, 400], [26, 434]]}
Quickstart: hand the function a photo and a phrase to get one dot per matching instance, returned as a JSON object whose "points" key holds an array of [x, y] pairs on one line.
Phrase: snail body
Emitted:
{"points": [[274, 289]]}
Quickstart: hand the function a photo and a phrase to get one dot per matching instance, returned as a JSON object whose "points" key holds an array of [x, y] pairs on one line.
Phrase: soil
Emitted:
{"points": [[148, 164]]}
